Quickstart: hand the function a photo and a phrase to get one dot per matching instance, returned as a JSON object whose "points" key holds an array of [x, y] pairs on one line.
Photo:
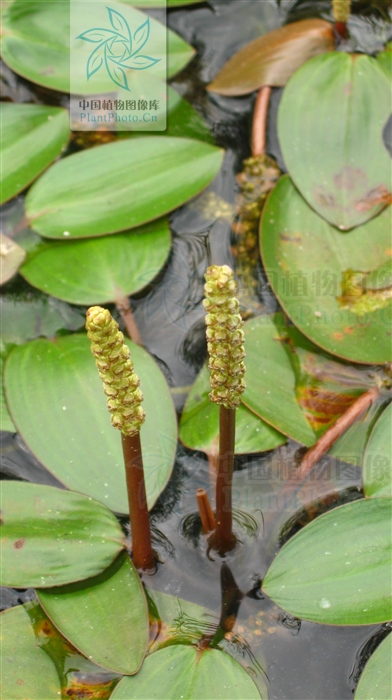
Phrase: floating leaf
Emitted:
{"points": [[6, 420], [11, 256], [103, 269], [26, 670], [105, 617], [175, 620], [164, 3], [376, 678], [377, 467], [119, 185], [337, 570], [30, 316], [179, 53], [79, 677], [271, 393], [199, 426], [51, 537], [32, 137], [385, 59], [56, 400], [195, 674], [300, 391], [308, 263], [340, 99], [182, 120], [43, 56], [273, 58]]}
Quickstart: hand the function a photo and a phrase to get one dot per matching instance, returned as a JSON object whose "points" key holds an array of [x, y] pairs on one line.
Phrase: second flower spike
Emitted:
{"points": [[225, 337]]}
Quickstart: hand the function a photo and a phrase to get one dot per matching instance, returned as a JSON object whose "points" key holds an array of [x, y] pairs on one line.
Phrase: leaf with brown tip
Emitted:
{"points": [[273, 58]]}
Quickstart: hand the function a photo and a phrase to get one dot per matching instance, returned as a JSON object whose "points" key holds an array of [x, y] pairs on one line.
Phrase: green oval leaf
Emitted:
{"points": [[273, 58], [6, 420], [43, 55], [271, 393], [337, 570], [179, 53], [26, 669], [323, 104], [300, 391], [77, 674], [11, 256], [103, 269], [164, 3], [32, 137], [188, 672], [51, 537], [376, 679], [32, 315], [307, 262], [119, 186], [377, 465], [199, 425], [105, 617], [184, 120], [56, 400], [385, 59]]}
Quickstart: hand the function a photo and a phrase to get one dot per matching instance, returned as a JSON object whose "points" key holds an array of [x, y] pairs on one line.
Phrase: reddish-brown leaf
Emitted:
{"points": [[273, 58]]}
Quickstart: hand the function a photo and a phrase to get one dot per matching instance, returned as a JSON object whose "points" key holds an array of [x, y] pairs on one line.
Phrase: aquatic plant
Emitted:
{"points": [[121, 386], [225, 342], [68, 545]]}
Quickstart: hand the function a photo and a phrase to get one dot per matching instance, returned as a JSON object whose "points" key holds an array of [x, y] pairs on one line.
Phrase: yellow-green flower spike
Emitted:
{"points": [[120, 383], [341, 10], [225, 337]]}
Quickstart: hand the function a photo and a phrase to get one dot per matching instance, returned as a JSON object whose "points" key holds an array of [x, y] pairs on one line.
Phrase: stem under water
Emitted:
{"points": [[335, 431], [142, 554], [223, 540]]}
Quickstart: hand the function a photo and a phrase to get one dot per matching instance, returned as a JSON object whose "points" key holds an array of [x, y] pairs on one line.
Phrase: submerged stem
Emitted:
{"points": [[335, 431], [143, 557]]}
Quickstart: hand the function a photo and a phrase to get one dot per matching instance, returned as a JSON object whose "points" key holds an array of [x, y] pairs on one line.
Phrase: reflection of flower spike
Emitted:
{"points": [[225, 337], [120, 383]]}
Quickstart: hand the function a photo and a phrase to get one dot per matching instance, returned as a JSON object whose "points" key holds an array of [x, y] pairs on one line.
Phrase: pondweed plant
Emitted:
{"points": [[69, 546], [121, 386], [225, 343]]}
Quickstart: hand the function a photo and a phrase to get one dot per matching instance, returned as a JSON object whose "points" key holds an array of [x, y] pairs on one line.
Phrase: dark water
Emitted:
{"points": [[301, 660]]}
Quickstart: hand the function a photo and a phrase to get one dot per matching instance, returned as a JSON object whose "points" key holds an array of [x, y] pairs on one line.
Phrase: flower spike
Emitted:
{"points": [[120, 383], [341, 10], [225, 337]]}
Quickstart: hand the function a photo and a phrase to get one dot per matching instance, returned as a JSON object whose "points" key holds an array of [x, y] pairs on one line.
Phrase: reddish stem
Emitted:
{"points": [[205, 510], [222, 538], [341, 29], [259, 124], [142, 553], [124, 308], [335, 431]]}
